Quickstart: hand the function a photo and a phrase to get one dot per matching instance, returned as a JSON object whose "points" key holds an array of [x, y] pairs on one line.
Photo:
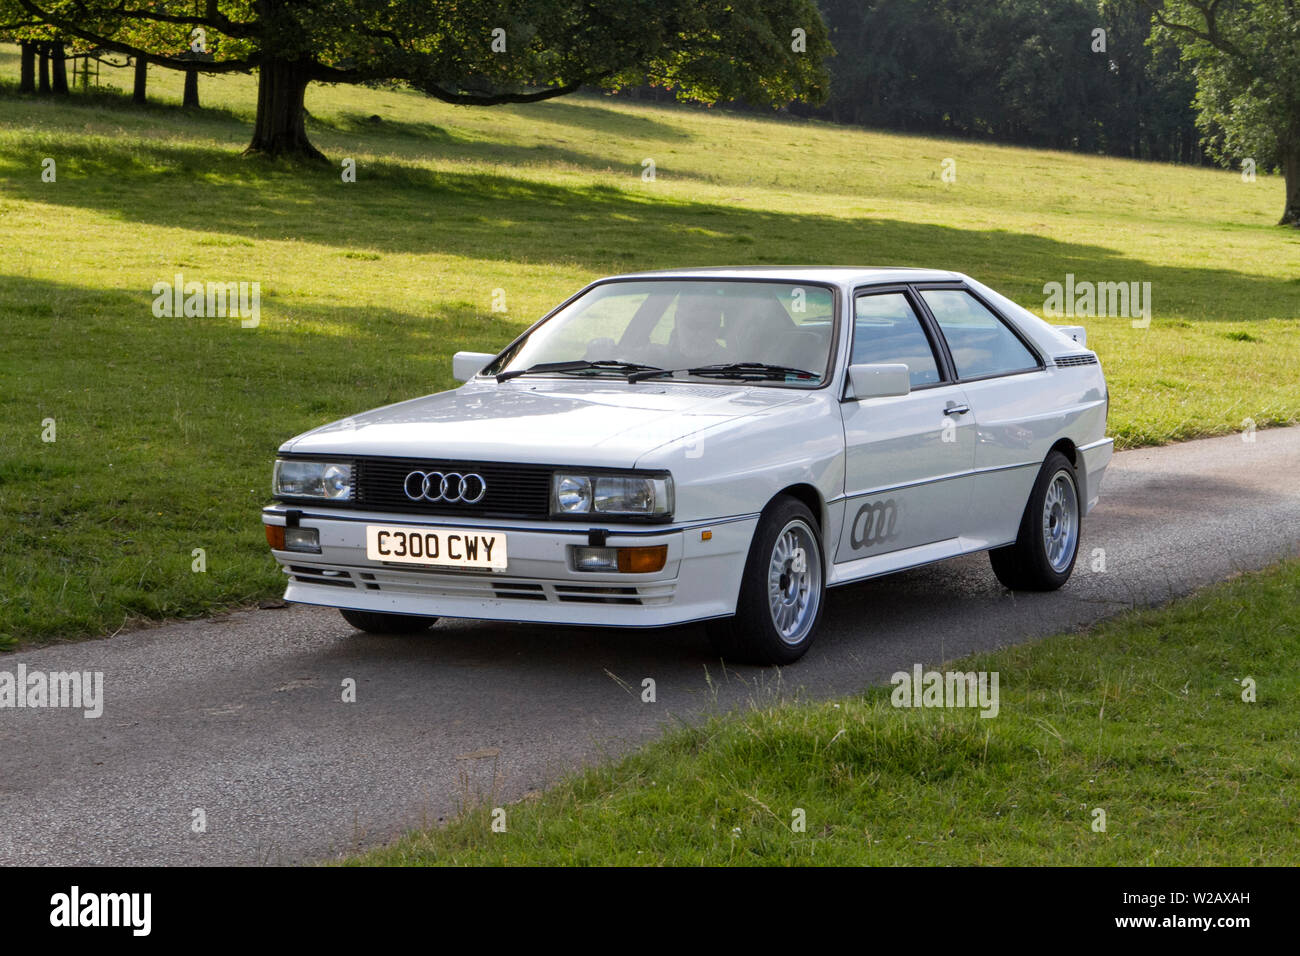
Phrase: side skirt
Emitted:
{"points": [[880, 564]]}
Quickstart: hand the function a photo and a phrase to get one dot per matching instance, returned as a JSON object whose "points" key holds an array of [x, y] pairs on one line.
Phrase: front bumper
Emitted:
{"points": [[701, 578]]}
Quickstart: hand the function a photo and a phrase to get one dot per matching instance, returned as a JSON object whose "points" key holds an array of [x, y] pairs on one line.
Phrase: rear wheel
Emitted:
{"points": [[377, 622], [782, 591], [1042, 557]]}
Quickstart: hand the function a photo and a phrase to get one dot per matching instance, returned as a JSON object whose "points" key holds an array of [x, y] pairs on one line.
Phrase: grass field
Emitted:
{"points": [[1142, 718], [165, 427]]}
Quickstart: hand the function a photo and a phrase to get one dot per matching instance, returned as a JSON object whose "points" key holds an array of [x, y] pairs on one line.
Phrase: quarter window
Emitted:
{"points": [[979, 341], [887, 331]]}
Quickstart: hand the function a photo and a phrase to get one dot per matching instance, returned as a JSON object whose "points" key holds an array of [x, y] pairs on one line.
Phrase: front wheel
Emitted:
{"points": [[377, 622], [1048, 541], [782, 591]]}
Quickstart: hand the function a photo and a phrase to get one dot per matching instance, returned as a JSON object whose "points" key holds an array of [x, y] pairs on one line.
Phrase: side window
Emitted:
{"points": [[887, 331], [979, 342]]}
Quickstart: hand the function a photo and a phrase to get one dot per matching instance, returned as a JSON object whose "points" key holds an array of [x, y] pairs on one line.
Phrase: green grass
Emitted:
{"points": [[166, 427], [1142, 717]]}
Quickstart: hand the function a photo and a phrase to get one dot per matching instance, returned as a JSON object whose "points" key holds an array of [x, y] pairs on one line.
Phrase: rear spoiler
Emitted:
{"points": [[1076, 332]]}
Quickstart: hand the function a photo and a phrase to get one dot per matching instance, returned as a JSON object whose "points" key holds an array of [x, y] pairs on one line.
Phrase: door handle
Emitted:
{"points": [[954, 409]]}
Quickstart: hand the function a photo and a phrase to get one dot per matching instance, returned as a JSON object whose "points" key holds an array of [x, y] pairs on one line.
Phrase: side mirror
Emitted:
{"points": [[465, 365], [879, 381]]}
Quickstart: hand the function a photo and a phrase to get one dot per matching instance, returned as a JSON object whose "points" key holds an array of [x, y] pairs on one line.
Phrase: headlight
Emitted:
{"points": [[578, 494], [312, 479], [572, 494]]}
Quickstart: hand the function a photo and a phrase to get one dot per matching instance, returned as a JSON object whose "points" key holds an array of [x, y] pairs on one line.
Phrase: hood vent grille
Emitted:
{"points": [[1081, 358]]}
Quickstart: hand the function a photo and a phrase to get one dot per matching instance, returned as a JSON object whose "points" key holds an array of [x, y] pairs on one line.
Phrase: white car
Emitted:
{"points": [[715, 445]]}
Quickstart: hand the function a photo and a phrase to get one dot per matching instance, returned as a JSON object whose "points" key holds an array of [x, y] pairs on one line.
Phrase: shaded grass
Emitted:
{"points": [[1141, 717], [166, 427]]}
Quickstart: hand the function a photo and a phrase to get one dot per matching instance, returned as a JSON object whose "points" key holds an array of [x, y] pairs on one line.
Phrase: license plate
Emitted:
{"points": [[436, 547]]}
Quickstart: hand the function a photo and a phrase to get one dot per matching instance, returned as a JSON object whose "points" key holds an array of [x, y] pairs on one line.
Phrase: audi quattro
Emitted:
{"points": [[716, 445]]}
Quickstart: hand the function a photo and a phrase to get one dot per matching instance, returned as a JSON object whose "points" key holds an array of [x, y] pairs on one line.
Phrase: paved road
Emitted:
{"points": [[242, 716]]}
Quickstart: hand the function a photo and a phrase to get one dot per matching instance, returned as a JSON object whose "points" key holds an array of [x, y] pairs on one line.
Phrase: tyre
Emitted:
{"points": [[779, 608], [1048, 541], [376, 622]]}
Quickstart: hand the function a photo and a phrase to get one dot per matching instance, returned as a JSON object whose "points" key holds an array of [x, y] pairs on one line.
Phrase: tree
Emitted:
{"points": [[1020, 71], [178, 42], [141, 81], [190, 96], [27, 71], [1246, 56], [40, 40], [58, 67], [42, 50], [479, 54], [1150, 115], [14, 26]]}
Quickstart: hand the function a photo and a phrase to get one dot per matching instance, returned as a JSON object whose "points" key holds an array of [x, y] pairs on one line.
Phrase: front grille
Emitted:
{"points": [[513, 491]]}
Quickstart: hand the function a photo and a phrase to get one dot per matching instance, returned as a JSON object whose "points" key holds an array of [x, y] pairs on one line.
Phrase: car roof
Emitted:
{"points": [[844, 276]]}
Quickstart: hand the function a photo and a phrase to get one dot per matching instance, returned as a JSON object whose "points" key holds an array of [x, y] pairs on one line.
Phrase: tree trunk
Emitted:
{"points": [[27, 83], [280, 129], [1291, 171], [59, 68], [44, 51], [141, 80], [191, 97]]}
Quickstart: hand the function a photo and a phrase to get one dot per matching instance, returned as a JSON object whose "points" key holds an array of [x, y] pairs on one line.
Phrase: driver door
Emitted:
{"points": [[907, 458]]}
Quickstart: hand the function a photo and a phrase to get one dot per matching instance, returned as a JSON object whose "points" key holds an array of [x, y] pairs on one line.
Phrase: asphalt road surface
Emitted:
{"points": [[242, 716]]}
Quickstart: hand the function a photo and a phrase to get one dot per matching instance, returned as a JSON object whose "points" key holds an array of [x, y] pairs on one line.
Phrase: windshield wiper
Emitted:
{"points": [[580, 365], [757, 371]]}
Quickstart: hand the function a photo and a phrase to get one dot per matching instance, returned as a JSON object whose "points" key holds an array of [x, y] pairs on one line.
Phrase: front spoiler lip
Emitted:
{"points": [[632, 617]]}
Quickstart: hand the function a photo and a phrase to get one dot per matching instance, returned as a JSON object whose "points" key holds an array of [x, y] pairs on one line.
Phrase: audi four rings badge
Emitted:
{"points": [[450, 487]]}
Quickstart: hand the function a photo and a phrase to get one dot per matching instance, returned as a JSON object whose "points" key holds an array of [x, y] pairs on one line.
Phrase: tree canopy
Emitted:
{"points": [[481, 53], [1246, 58], [1066, 74]]}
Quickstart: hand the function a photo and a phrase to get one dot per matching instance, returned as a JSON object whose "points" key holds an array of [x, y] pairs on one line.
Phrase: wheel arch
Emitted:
{"points": [[812, 498], [1067, 448]]}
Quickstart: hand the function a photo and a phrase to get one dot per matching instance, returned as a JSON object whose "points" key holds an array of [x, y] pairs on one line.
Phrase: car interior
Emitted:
{"points": [[707, 329]]}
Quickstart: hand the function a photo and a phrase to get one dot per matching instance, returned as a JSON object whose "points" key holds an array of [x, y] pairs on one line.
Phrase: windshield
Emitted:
{"points": [[693, 329]]}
